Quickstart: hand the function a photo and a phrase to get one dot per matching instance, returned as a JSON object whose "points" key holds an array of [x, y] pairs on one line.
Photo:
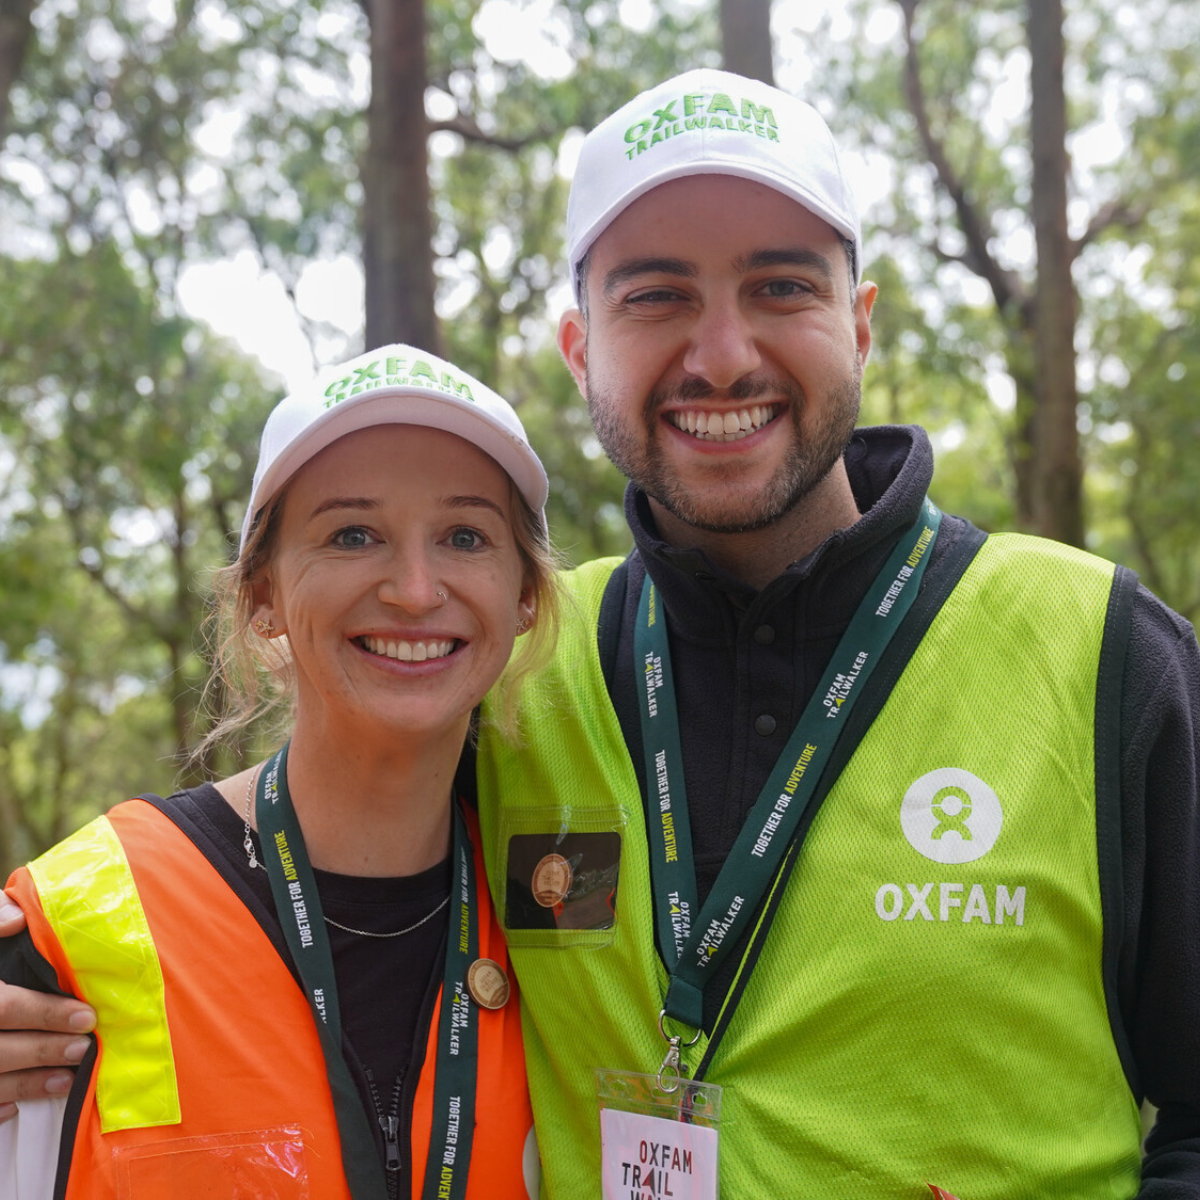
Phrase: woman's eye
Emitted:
{"points": [[352, 538], [466, 539]]}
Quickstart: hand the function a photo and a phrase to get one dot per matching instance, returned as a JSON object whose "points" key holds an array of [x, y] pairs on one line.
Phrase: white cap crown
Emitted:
{"points": [[708, 122], [393, 385]]}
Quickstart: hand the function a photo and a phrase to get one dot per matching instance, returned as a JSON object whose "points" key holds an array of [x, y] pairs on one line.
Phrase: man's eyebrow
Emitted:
{"points": [[788, 256], [634, 267]]}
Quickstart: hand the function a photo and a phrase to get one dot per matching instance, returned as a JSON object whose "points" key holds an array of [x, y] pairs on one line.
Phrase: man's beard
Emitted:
{"points": [[809, 460]]}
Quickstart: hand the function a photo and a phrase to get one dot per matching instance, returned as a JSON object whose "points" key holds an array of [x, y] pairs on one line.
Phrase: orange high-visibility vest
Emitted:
{"points": [[210, 1080]]}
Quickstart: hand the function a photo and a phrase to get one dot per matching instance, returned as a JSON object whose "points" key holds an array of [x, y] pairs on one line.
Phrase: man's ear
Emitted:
{"points": [[864, 301], [572, 344]]}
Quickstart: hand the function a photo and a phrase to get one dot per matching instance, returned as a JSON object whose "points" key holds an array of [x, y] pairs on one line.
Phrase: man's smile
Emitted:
{"points": [[729, 426]]}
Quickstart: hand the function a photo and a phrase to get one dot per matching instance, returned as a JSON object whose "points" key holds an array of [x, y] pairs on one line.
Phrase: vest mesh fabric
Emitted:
{"points": [[891, 1033]]}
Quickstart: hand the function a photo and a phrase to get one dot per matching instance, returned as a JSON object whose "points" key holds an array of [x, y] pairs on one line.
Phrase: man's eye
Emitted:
{"points": [[653, 296], [354, 537], [781, 289], [466, 538]]}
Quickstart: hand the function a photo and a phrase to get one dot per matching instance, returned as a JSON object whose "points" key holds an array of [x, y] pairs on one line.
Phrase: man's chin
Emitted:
{"points": [[732, 514]]}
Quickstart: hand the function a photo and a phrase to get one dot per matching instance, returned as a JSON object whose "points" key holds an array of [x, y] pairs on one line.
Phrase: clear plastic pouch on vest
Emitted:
{"points": [[657, 1143], [561, 868], [262, 1164]]}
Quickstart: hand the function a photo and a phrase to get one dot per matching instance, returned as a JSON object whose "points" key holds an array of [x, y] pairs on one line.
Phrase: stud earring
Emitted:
{"points": [[524, 625], [263, 627]]}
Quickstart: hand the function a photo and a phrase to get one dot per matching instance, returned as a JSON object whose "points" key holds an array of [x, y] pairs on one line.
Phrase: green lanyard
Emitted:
{"points": [[694, 944], [294, 888]]}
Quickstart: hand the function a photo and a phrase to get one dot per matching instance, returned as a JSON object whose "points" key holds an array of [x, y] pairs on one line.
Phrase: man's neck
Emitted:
{"points": [[760, 555]]}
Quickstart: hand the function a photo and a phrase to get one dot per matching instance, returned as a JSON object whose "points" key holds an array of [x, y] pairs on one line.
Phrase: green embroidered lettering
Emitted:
{"points": [[760, 116], [664, 115], [637, 131], [457, 386], [424, 370], [658, 137], [693, 104], [722, 103], [694, 123]]}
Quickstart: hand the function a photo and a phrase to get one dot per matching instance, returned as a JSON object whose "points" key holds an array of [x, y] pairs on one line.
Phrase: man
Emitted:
{"points": [[910, 879]]}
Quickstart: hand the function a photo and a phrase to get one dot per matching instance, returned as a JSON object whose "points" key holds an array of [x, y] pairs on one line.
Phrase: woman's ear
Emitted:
{"points": [[526, 609], [262, 615]]}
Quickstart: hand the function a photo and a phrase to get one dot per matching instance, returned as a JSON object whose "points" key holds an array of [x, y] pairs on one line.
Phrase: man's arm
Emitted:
{"points": [[40, 1033], [1159, 964]]}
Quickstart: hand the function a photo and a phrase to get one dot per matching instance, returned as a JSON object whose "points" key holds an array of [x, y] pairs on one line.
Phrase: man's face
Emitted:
{"points": [[723, 349]]}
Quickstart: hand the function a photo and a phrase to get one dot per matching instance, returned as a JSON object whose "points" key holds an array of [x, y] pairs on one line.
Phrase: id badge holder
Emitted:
{"points": [[561, 869], [655, 1142]]}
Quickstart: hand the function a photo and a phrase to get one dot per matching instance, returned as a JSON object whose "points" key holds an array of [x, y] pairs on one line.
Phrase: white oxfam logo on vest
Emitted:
{"points": [[951, 816]]}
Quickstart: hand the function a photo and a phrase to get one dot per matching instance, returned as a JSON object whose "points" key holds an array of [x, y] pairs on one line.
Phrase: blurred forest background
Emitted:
{"points": [[1029, 177]]}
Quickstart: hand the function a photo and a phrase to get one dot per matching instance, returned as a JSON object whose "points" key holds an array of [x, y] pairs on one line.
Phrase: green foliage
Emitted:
{"points": [[942, 348]]}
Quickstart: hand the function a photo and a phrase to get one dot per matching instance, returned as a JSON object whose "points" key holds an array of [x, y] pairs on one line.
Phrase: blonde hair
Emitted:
{"points": [[252, 678]]}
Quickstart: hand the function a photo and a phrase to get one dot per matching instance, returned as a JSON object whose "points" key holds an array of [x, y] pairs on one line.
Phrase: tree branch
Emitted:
{"points": [[1007, 287], [1119, 212], [466, 128]]}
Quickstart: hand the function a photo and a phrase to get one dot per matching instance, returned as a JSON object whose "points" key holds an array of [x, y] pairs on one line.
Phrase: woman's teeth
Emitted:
{"points": [[726, 426], [407, 651]]}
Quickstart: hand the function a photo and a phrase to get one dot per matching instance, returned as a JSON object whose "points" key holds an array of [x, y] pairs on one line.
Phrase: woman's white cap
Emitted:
{"points": [[394, 385], [708, 122]]}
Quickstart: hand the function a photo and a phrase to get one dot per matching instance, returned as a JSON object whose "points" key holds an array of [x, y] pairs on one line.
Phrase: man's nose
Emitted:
{"points": [[722, 347]]}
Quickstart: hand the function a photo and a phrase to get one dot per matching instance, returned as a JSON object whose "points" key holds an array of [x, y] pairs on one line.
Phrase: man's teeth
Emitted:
{"points": [[726, 426], [408, 651]]}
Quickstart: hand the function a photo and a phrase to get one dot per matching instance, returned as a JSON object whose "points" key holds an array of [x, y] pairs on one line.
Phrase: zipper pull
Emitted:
{"points": [[391, 1141]]}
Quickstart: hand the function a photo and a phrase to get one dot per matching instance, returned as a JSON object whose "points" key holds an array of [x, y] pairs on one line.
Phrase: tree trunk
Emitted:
{"points": [[15, 29], [1057, 490], [746, 38], [397, 226]]}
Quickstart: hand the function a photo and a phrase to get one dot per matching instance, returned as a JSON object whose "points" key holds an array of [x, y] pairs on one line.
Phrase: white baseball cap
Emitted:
{"points": [[707, 122], [393, 385]]}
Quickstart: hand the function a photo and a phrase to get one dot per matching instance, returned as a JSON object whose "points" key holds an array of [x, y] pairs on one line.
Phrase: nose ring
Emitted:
{"points": [[444, 597]]}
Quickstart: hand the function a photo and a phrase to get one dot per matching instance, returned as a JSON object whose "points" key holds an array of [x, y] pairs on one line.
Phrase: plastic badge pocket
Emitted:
{"points": [[261, 1164], [658, 1143], [561, 871]]}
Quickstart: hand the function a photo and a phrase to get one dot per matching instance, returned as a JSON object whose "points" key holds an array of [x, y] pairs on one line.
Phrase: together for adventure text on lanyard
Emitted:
{"points": [[299, 906], [694, 944]]}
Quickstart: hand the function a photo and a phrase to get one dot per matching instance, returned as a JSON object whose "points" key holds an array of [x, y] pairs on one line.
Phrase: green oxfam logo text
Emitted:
{"points": [[699, 110], [395, 372]]}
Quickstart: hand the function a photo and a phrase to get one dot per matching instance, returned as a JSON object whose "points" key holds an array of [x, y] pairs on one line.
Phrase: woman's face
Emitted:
{"points": [[373, 528]]}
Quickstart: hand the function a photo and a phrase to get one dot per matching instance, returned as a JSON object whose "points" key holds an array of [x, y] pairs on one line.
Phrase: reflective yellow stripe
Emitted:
{"points": [[91, 901]]}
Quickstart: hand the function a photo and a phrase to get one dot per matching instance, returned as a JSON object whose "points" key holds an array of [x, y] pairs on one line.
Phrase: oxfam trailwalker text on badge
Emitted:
{"points": [[650, 1158]]}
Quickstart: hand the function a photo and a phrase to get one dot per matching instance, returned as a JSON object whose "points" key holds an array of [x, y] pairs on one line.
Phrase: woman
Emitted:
{"points": [[300, 989]]}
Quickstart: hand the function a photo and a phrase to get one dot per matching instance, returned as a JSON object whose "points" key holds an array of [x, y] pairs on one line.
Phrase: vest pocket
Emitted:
{"points": [[560, 869], [267, 1164]]}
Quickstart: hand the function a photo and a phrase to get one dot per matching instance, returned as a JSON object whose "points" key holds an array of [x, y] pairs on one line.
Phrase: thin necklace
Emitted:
{"points": [[398, 932], [252, 859]]}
